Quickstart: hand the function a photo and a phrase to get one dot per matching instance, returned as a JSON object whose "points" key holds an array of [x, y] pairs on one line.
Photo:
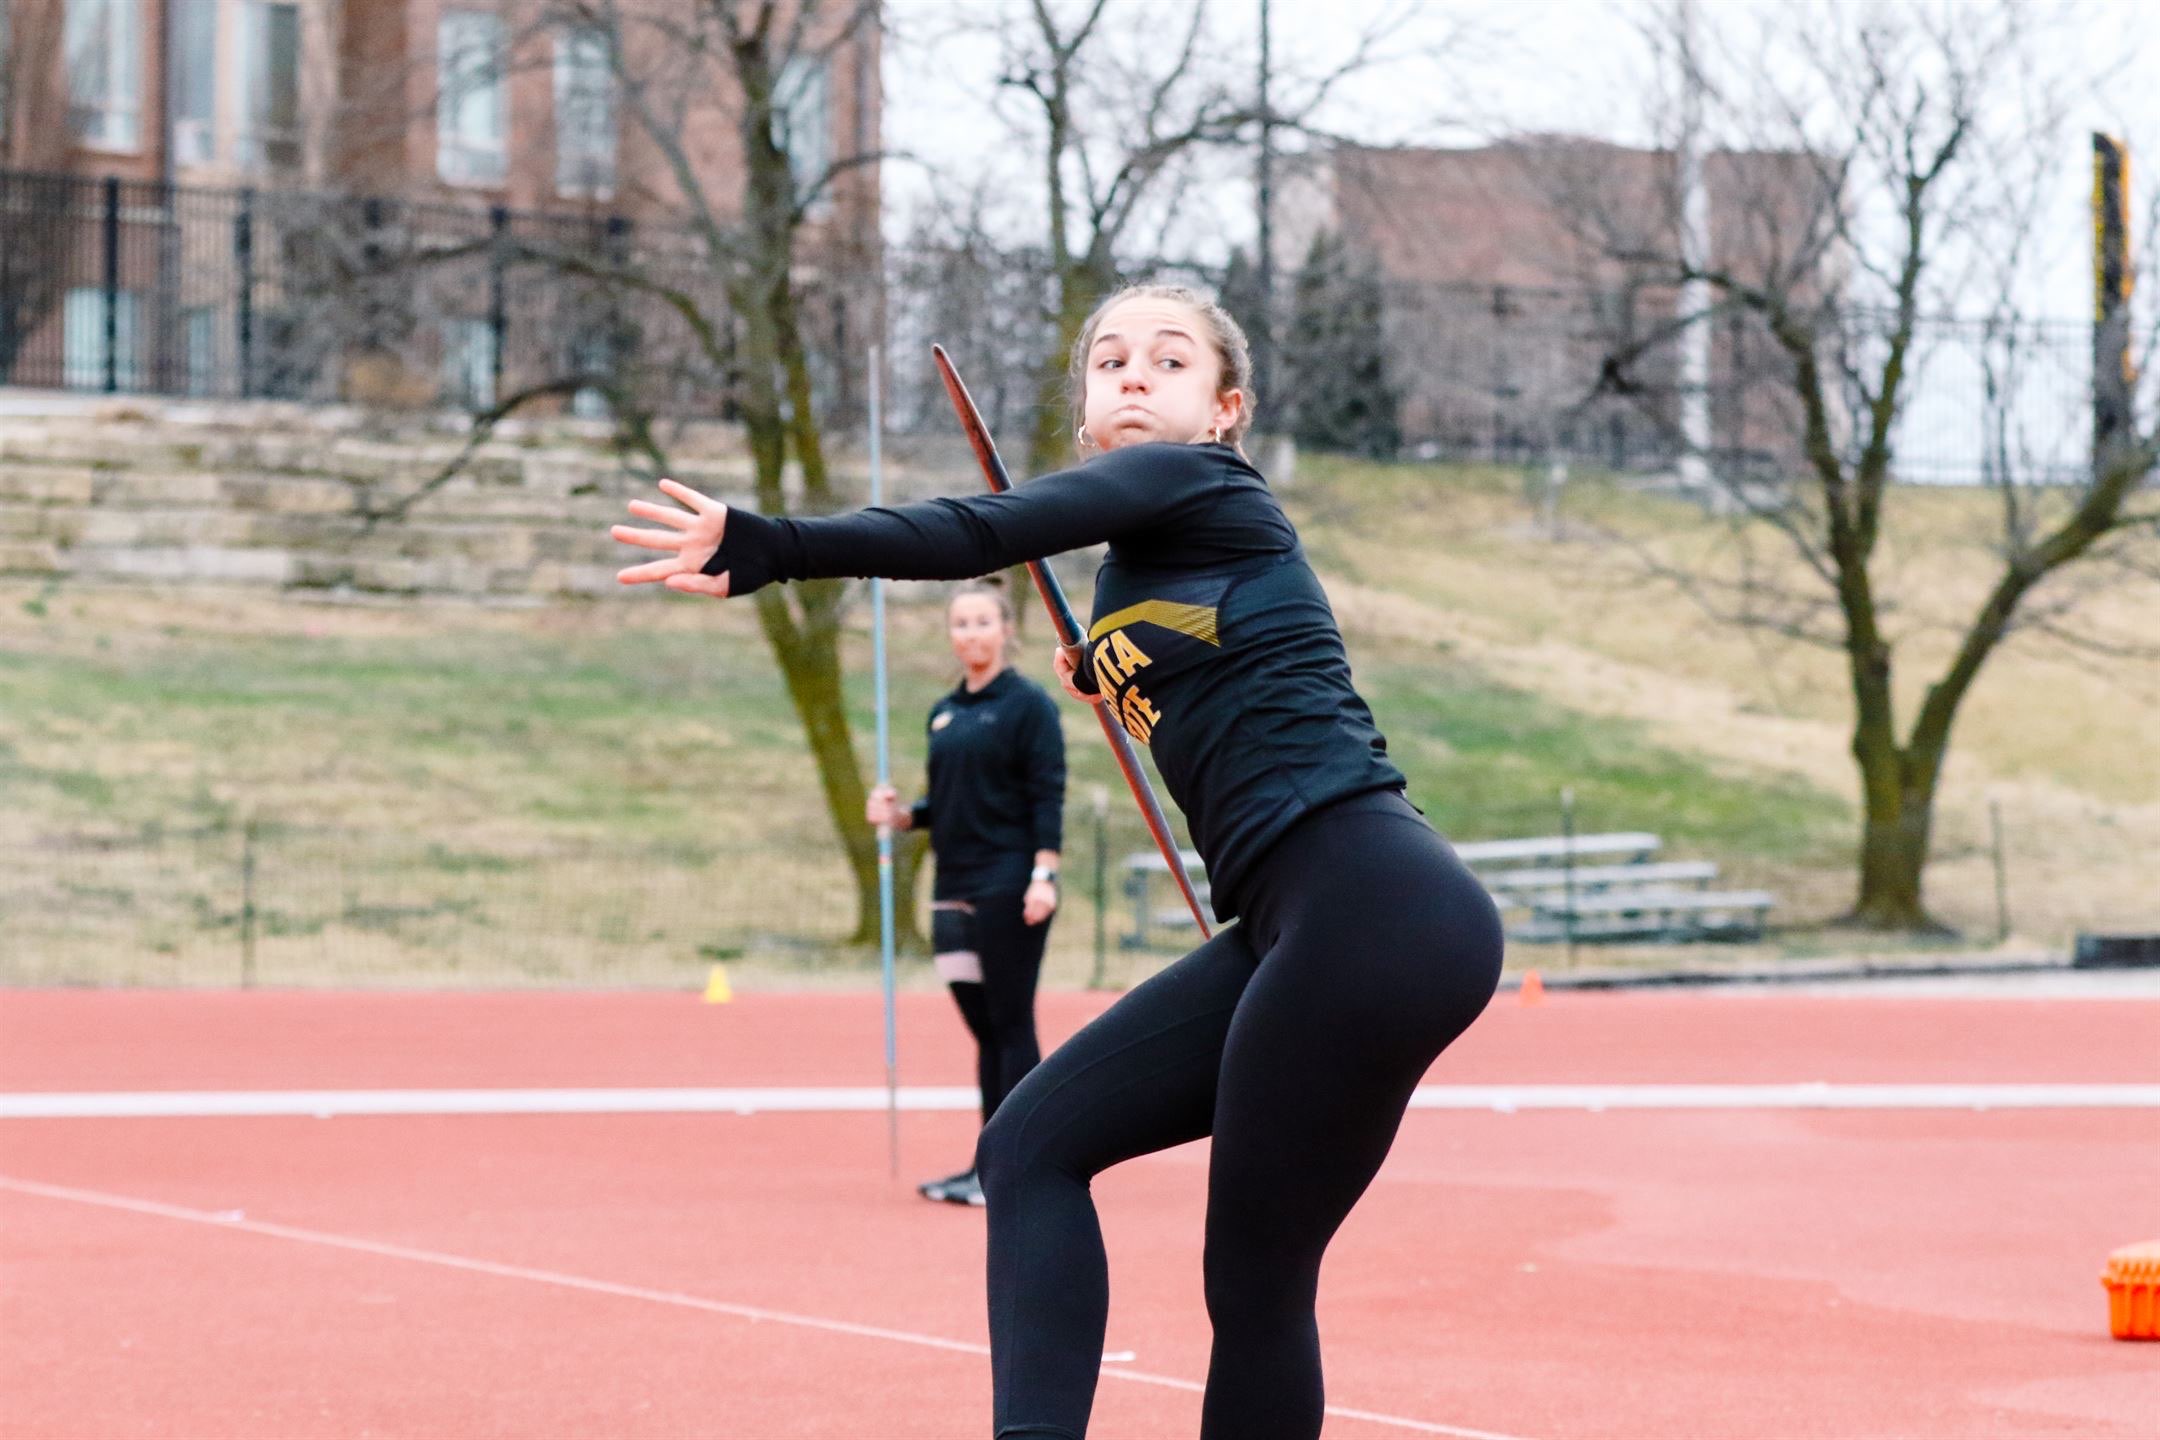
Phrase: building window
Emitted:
{"points": [[104, 68], [199, 342], [194, 81], [85, 333], [584, 114], [802, 128], [469, 363], [472, 114], [592, 352], [270, 77]]}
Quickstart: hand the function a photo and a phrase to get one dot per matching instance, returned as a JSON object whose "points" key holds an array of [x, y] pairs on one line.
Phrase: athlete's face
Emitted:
{"points": [[978, 631], [1153, 375]]}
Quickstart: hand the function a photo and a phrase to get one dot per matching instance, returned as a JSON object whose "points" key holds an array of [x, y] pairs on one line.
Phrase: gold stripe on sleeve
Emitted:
{"points": [[1197, 621]]}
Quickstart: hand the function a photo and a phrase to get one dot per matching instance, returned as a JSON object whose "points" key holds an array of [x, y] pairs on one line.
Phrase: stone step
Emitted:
{"points": [[279, 495]]}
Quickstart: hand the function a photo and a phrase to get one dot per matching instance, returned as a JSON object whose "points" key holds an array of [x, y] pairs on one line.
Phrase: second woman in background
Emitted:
{"points": [[995, 813]]}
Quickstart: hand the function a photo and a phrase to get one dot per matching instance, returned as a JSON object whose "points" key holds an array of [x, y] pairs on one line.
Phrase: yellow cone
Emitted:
{"points": [[716, 987]]}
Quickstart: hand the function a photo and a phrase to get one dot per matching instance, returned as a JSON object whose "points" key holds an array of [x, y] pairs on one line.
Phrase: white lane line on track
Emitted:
{"points": [[1504, 1099], [676, 1298]]}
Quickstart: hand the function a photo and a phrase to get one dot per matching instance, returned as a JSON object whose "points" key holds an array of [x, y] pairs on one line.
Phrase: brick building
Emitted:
{"points": [[222, 153], [1514, 272]]}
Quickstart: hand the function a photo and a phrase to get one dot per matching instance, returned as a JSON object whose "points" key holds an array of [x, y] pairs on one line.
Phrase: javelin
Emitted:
{"points": [[884, 777], [1071, 636]]}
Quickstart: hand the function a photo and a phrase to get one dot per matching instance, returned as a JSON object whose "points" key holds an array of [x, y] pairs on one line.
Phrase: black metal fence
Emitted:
{"points": [[130, 286], [121, 286], [1518, 376], [283, 900]]}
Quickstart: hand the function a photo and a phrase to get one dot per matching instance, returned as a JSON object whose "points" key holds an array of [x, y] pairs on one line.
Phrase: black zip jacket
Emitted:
{"points": [[1212, 640]]}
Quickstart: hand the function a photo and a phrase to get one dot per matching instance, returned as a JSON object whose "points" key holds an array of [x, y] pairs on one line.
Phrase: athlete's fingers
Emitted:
{"points": [[689, 582], [650, 539], [1063, 661], [650, 571], [1066, 660], [673, 515], [703, 504]]}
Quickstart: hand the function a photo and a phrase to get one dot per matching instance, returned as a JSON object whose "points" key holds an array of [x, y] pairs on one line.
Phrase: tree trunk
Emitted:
{"points": [[802, 621], [1893, 857], [809, 656], [1897, 782], [41, 216], [1081, 287], [1898, 785]]}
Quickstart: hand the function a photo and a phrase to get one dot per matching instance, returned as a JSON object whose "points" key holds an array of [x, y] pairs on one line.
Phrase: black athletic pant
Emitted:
{"points": [[1295, 1038], [1000, 1012]]}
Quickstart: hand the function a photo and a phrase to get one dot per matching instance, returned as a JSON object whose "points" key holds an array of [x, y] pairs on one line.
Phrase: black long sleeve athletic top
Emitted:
{"points": [[997, 786], [1212, 641]]}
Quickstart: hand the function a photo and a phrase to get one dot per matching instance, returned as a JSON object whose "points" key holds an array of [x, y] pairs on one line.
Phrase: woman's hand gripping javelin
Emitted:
{"points": [[1066, 661], [693, 534]]}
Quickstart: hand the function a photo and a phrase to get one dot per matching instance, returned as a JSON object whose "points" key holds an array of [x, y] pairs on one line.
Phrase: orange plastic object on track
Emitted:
{"points": [[2132, 1279]]}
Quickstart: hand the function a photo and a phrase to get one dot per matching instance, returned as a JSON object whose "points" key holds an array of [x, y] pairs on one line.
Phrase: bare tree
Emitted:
{"points": [[1113, 111], [35, 209], [1116, 104], [1882, 168], [707, 304]]}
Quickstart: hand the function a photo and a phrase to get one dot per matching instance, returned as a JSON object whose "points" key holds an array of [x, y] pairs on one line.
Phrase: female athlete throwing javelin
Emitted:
{"points": [[1363, 947]]}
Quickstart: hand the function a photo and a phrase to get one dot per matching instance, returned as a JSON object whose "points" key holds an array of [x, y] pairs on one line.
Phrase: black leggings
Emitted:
{"points": [[1000, 1012], [1295, 1038]]}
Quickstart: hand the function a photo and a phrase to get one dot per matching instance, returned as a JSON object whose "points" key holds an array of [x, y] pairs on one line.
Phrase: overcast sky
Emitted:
{"points": [[1544, 65]]}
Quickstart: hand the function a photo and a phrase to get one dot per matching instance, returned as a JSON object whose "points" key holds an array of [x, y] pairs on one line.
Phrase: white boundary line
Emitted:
{"points": [[1504, 1099], [561, 1280]]}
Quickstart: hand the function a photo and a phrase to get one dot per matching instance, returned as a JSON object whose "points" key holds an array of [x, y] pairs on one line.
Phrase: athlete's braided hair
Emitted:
{"points": [[1228, 337]]}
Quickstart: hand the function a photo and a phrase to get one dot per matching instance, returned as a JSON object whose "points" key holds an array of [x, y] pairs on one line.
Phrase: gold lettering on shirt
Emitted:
{"points": [[1115, 659], [1130, 657], [1140, 717], [1106, 675]]}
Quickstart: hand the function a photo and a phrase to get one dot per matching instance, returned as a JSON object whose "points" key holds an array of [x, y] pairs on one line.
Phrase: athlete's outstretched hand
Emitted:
{"points": [[693, 534], [1066, 660]]}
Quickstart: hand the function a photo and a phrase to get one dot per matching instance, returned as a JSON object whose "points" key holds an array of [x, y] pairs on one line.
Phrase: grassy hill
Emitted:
{"points": [[197, 784]]}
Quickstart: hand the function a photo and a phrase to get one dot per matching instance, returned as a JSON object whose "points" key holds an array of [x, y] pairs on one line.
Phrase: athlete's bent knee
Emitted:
{"points": [[998, 1161]]}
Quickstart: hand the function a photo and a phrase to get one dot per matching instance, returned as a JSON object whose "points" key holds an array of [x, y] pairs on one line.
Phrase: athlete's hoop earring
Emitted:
{"points": [[1215, 436], [1080, 438]]}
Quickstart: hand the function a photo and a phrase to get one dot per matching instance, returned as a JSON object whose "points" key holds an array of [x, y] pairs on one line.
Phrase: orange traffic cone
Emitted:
{"points": [[1533, 988], [2132, 1279]]}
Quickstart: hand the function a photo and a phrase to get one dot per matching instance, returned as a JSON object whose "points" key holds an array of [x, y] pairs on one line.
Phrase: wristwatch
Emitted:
{"points": [[1043, 872]]}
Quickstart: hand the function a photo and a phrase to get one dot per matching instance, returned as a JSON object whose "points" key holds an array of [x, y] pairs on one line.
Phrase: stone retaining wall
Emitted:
{"points": [[280, 496]]}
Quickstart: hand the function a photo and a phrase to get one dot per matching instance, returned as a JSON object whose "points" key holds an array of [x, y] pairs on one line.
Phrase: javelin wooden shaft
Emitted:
{"points": [[1071, 635]]}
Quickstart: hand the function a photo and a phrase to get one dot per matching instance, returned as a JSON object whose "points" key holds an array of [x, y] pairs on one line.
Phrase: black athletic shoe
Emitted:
{"points": [[965, 1190], [943, 1189]]}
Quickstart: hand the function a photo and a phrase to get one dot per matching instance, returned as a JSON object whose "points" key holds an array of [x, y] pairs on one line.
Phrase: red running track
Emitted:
{"points": [[1545, 1274]]}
